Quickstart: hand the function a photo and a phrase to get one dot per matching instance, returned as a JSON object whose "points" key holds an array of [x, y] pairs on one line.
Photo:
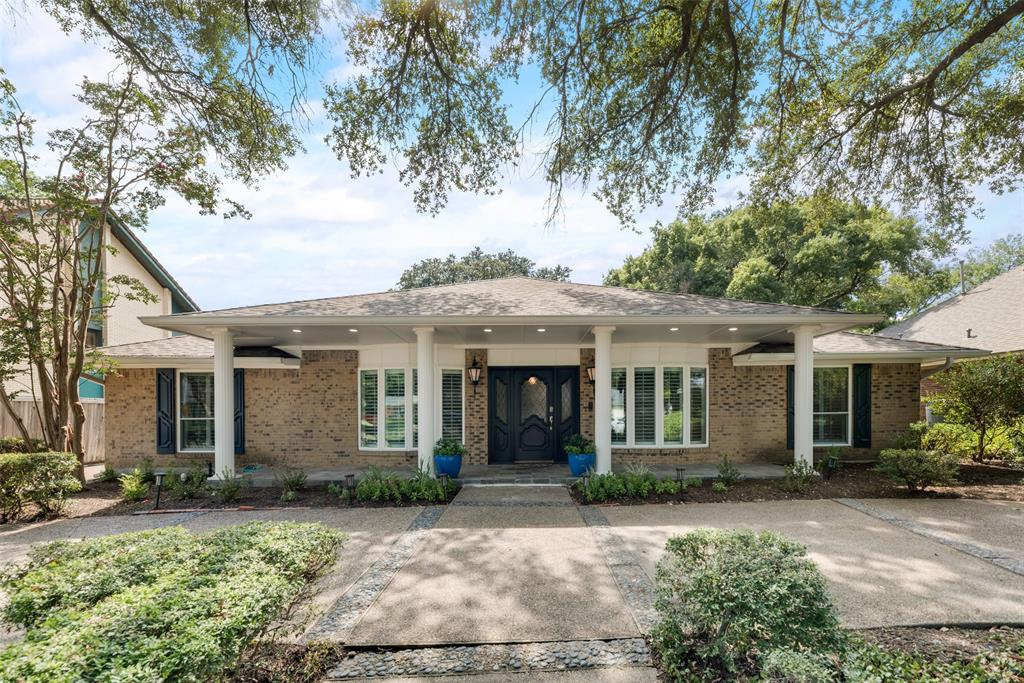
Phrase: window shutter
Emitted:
{"points": [[165, 410], [789, 406], [239, 411], [861, 405], [644, 431]]}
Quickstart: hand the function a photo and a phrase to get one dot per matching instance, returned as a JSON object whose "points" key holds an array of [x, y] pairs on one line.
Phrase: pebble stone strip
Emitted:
{"points": [[634, 583], [479, 659], [341, 618], [1012, 564]]}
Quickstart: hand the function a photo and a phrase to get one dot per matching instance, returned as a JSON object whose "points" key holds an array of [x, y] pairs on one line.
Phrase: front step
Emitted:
{"points": [[497, 658]]}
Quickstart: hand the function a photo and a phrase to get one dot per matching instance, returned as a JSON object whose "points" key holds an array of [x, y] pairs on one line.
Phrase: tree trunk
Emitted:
{"points": [[18, 422], [78, 428], [980, 455]]}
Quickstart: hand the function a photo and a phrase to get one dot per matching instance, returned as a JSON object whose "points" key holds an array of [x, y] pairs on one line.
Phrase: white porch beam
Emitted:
{"points": [[223, 403], [603, 397], [803, 394], [425, 396]]}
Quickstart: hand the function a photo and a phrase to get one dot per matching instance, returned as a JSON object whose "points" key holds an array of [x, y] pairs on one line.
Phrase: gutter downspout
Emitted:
{"points": [[944, 366]]}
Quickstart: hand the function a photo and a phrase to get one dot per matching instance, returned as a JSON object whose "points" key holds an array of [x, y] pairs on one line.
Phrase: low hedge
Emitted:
{"points": [[381, 486], [16, 444], [44, 479], [162, 605], [917, 469], [636, 482]]}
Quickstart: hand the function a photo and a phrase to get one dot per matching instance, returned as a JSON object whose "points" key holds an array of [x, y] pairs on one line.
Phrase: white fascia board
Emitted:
{"points": [[896, 357], [205, 363]]}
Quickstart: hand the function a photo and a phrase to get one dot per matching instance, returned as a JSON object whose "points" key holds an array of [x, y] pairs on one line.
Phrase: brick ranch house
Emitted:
{"points": [[511, 367]]}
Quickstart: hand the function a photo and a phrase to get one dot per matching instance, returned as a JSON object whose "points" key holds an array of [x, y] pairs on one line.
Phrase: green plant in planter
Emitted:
{"points": [[577, 444], [449, 447]]}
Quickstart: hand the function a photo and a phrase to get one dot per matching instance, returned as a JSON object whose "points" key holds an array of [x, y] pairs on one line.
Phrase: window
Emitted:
{"points": [[195, 411], [698, 406], [451, 404], [368, 409], [415, 409], [619, 405], [394, 408], [672, 405], [644, 428], [831, 406], [678, 418]]}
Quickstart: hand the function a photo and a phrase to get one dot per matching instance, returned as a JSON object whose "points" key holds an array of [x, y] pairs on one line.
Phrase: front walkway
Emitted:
{"points": [[517, 579]]}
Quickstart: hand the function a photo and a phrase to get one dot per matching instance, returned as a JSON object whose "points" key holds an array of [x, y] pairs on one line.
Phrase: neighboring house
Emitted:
{"points": [[988, 317], [511, 367]]}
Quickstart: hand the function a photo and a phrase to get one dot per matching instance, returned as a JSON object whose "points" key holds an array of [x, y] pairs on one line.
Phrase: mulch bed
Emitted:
{"points": [[990, 482], [946, 644]]}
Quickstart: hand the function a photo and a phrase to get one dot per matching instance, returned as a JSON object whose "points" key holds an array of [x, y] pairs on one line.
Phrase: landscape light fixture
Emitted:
{"points": [[159, 485], [350, 486], [443, 478]]}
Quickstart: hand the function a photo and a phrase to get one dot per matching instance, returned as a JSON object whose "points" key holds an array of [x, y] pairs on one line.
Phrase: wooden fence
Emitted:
{"points": [[94, 451]]}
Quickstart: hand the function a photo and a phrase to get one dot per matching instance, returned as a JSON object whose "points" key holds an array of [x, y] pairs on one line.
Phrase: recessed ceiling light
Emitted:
{"points": [[296, 331], [487, 329], [352, 329], [541, 329], [673, 329], [733, 329]]}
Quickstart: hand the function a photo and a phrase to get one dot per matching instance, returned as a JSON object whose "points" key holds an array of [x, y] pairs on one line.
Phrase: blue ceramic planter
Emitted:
{"points": [[448, 464], [579, 463]]}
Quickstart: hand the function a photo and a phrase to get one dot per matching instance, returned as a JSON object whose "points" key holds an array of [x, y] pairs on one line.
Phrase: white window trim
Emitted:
{"points": [[849, 407], [409, 406], [659, 415], [177, 413]]}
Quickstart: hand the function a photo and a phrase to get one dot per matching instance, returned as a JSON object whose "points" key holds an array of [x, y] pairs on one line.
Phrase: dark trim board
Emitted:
{"points": [[531, 411]]}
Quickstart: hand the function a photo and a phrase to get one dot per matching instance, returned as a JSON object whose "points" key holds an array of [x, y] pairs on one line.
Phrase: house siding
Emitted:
{"points": [[307, 417]]}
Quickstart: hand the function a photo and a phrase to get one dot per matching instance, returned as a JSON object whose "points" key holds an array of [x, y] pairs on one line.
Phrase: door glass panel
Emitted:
{"points": [[500, 400], [533, 399], [567, 407]]}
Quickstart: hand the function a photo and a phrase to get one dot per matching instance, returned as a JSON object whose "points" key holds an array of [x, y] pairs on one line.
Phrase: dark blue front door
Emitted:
{"points": [[531, 412]]}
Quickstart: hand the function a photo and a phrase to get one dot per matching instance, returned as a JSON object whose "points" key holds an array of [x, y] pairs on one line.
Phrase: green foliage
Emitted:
{"points": [[728, 473], [157, 605], [291, 479], [872, 664], [190, 484], [577, 444], [668, 487], [379, 485], [785, 665], [108, 475], [449, 447], [133, 485], [727, 598], [985, 394], [476, 265], [798, 477], [719, 486], [230, 487], [42, 479], [146, 471], [693, 482], [637, 481], [811, 252], [289, 496], [918, 469], [16, 444]]}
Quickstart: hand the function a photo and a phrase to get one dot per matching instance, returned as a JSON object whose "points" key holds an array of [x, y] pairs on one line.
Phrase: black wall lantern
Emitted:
{"points": [[590, 374], [474, 373]]}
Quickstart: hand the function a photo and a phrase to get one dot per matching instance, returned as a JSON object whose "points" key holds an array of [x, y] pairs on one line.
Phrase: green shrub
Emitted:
{"points": [[449, 447], [145, 468], [918, 469], [289, 496], [577, 444], [784, 665], [872, 664], [230, 487], [44, 479], [667, 486], [726, 598], [728, 473], [16, 444], [719, 487], [190, 484], [601, 487], [108, 475], [378, 485], [133, 486], [693, 482], [639, 481], [162, 605], [291, 479], [798, 477]]}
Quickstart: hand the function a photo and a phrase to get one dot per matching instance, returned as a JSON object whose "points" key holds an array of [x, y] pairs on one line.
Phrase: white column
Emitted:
{"points": [[425, 396], [223, 403], [603, 398], [803, 394]]}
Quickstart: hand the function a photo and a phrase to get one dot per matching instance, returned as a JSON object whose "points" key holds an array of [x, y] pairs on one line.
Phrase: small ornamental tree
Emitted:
{"points": [[986, 395]]}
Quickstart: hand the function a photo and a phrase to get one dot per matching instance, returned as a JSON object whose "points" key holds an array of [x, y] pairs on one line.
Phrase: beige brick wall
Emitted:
{"points": [[307, 417]]}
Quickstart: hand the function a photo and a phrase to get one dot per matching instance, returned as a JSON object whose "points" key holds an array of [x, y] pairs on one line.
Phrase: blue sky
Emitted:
{"points": [[316, 232]]}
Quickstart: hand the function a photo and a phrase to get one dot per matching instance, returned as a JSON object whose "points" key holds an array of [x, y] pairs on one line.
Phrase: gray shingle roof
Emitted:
{"points": [[842, 343], [185, 346], [993, 311], [516, 296]]}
